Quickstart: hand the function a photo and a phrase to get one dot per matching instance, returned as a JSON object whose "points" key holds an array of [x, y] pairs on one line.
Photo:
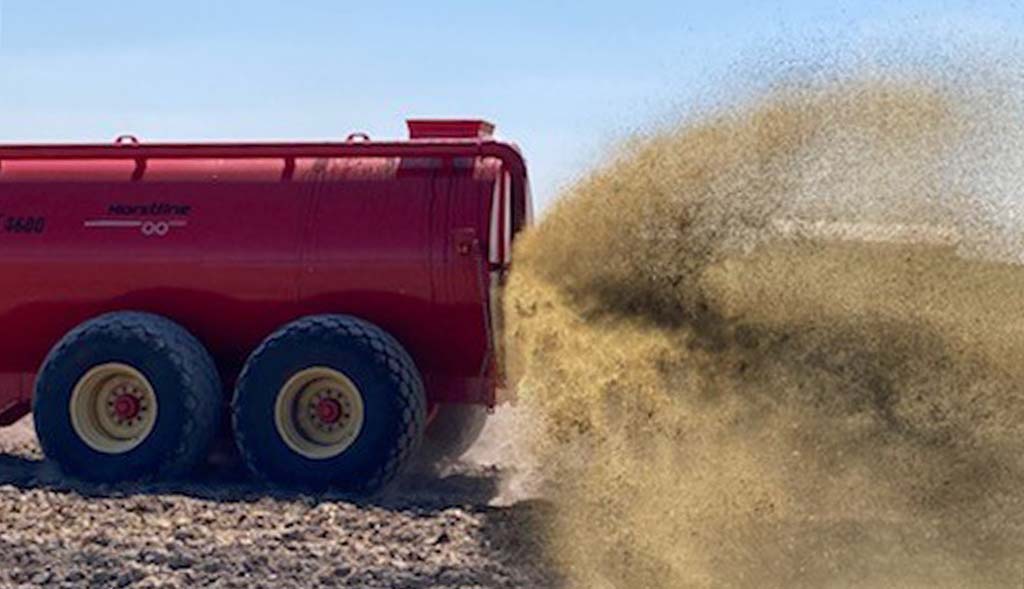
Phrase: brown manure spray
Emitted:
{"points": [[782, 345]]}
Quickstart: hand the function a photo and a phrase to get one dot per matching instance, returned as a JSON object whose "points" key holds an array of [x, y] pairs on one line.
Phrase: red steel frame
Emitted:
{"points": [[419, 148]]}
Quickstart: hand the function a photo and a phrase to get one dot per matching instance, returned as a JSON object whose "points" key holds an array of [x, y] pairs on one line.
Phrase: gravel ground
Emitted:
{"points": [[219, 530]]}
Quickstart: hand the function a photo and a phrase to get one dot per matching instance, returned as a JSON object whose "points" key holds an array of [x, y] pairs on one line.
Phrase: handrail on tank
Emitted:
{"points": [[510, 157]]}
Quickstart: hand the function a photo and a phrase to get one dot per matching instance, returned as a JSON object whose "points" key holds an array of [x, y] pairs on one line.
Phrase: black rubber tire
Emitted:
{"points": [[188, 389], [453, 431], [388, 380]]}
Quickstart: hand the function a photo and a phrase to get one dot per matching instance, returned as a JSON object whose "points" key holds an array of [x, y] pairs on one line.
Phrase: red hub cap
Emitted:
{"points": [[126, 406], [328, 410]]}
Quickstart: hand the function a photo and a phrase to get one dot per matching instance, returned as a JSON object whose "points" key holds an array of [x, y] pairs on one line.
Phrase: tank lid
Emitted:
{"points": [[449, 128]]}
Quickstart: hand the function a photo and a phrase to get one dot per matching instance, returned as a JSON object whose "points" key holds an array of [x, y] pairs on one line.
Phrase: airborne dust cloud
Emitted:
{"points": [[782, 345]]}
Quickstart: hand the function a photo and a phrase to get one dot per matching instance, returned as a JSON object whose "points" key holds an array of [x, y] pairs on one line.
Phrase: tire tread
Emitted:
{"points": [[185, 352], [387, 351]]}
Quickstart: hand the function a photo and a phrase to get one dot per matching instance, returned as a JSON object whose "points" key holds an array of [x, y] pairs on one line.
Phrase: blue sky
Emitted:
{"points": [[564, 80]]}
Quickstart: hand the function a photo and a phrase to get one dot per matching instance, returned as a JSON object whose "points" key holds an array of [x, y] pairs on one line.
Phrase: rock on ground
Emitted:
{"points": [[220, 530]]}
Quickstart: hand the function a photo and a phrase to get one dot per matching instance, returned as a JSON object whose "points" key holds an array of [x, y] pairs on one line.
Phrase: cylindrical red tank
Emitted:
{"points": [[234, 240]]}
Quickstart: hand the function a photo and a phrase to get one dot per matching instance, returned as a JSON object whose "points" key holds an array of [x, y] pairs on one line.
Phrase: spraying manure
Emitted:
{"points": [[782, 345]]}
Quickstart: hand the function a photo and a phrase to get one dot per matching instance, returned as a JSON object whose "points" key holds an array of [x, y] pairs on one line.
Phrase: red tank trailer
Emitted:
{"points": [[339, 301]]}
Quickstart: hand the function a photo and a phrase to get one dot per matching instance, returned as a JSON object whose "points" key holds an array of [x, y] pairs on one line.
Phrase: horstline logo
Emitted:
{"points": [[154, 224], [156, 209]]}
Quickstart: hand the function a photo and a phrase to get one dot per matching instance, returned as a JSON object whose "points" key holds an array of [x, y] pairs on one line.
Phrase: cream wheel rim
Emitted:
{"points": [[113, 408], [319, 412]]}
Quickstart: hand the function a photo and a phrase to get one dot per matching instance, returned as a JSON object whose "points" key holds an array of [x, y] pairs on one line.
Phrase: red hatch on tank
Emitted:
{"points": [[449, 129]]}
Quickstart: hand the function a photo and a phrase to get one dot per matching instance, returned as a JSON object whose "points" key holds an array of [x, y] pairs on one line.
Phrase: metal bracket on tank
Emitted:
{"points": [[128, 140], [465, 240]]}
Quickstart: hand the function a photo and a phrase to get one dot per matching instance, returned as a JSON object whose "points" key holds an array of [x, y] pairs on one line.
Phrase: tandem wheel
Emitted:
{"points": [[329, 401], [127, 396]]}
